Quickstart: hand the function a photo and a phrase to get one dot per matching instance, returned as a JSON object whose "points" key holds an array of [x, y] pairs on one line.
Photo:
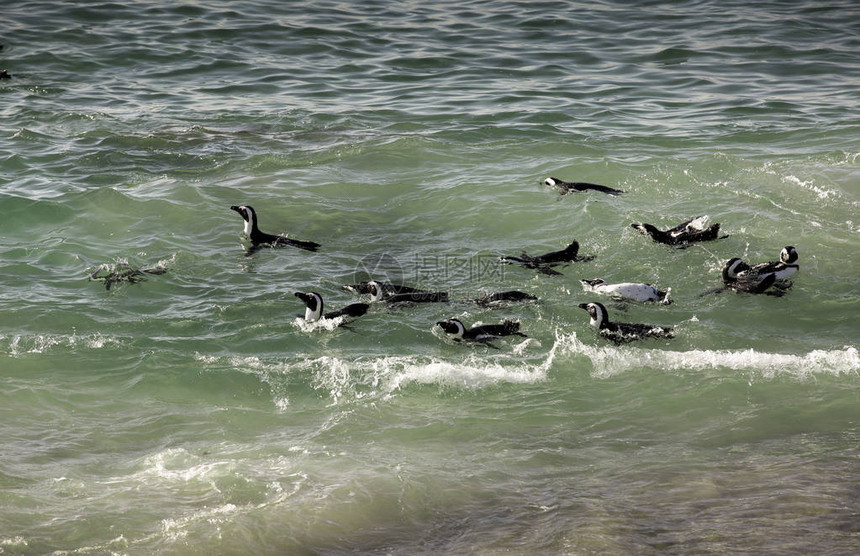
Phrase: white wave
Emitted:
{"points": [[380, 378], [387, 375], [377, 377], [254, 365], [19, 345], [13, 542], [180, 471], [177, 464], [612, 360], [321, 324], [821, 192], [175, 529]]}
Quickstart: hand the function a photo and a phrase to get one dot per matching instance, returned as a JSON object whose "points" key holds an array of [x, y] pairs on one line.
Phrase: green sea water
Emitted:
{"points": [[193, 413]]}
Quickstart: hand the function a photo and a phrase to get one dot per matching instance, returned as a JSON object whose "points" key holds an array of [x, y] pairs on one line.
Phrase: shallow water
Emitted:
{"points": [[193, 413]]}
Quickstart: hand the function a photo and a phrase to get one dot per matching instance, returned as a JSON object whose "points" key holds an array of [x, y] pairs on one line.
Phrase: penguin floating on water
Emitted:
{"points": [[628, 291], [388, 288], [685, 233], [483, 334], [498, 298], [622, 332], [578, 186], [378, 292], [314, 308], [544, 263], [733, 279], [261, 239], [783, 269], [123, 272]]}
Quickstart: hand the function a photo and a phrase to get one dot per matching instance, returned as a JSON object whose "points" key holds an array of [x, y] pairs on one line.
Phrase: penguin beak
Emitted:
{"points": [[583, 306]]}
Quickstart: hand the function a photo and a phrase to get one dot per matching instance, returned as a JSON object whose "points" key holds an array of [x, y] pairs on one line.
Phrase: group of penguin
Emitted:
{"points": [[770, 278]]}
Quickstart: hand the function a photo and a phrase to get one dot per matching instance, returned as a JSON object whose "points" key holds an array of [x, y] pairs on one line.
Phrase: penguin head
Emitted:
{"points": [[452, 326], [788, 255], [643, 229], [573, 248], [313, 305], [376, 290], [247, 212], [552, 182], [597, 312], [732, 268], [248, 215]]}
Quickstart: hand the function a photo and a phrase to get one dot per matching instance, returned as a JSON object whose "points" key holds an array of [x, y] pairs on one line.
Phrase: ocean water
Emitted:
{"points": [[193, 413]]}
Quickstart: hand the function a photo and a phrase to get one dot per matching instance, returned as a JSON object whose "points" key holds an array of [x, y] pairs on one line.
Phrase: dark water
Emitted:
{"points": [[192, 413]]}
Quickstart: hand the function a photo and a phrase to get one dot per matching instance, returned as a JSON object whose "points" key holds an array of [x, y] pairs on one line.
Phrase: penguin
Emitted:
{"points": [[683, 234], [733, 280], [501, 297], [123, 272], [628, 291], [545, 262], [261, 239], [314, 308], [365, 288], [783, 269], [577, 186], [378, 292], [484, 334], [622, 332]]}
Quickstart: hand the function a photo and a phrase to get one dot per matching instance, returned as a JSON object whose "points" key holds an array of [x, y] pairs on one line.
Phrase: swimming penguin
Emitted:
{"points": [[687, 232], [783, 269], [733, 280], [628, 290], [544, 263], [621, 332], [388, 288], [314, 308], [378, 292], [501, 297], [577, 186], [484, 334], [123, 272], [262, 239]]}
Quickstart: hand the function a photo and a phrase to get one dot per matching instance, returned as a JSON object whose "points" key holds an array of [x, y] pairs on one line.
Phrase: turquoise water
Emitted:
{"points": [[192, 413]]}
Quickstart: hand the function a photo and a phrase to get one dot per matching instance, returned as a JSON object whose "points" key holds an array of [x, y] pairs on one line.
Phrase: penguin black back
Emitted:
{"points": [[689, 231], [578, 186], [735, 280], [622, 332]]}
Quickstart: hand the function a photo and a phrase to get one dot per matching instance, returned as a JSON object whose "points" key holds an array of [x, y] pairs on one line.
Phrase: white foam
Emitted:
{"points": [[41, 343], [178, 465], [323, 324], [177, 528], [612, 360], [380, 378], [256, 366], [387, 375], [16, 542], [821, 192]]}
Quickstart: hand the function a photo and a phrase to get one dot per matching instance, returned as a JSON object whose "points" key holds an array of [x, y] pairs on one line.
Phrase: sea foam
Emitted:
{"points": [[612, 360]]}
